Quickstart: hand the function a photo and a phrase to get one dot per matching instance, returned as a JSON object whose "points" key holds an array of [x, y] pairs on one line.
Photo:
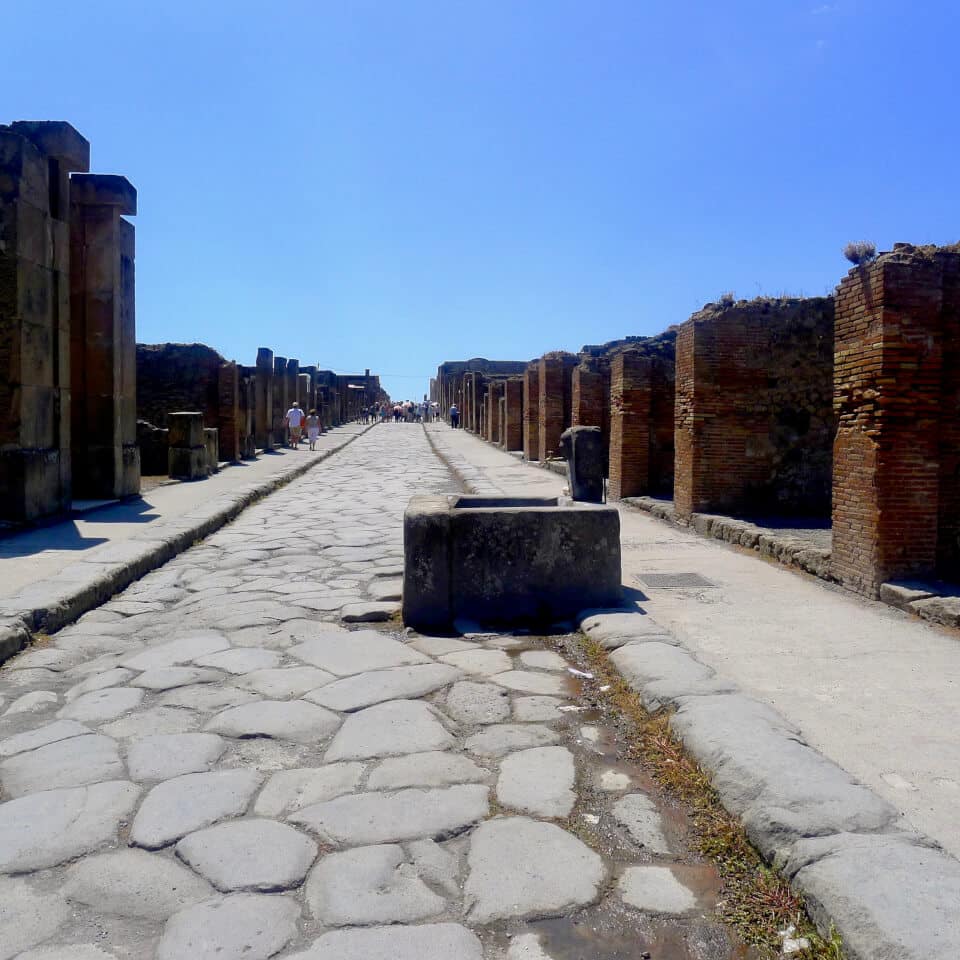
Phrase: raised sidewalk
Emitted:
{"points": [[51, 574], [725, 636]]}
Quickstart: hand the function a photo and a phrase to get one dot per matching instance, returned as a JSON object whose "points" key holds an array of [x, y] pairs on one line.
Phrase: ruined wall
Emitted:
{"points": [[754, 422], [531, 411], [177, 376], [555, 405], [896, 502], [512, 421], [590, 400]]}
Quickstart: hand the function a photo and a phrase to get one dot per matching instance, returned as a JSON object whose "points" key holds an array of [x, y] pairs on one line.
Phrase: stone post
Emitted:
{"points": [[35, 415], [512, 435], [248, 403], [188, 458], [630, 415], [583, 450], [531, 411], [263, 391], [103, 337], [229, 413]]}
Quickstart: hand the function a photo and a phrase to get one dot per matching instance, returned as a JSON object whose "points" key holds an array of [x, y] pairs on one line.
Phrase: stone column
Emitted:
{"points": [[531, 411], [248, 404], [512, 435], [303, 391], [293, 382], [281, 400], [630, 417], [888, 387], [495, 393], [263, 411], [556, 381], [103, 337], [229, 417], [35, 417]]}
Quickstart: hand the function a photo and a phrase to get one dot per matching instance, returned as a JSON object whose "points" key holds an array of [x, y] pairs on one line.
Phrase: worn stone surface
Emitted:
{"points": [[66, 763], [27, 916], [244, 926], [134, 883], [289, 790], [173, 755], [366, 689], [252, 855], [180, 806], [639, 815], [169, 678], [471, 702], [526, 681], [655, 890], [433, 769], [54, 826], [369, 885], [501, 738], [102, 705], [294, 720], [242, 660], [285, 682], [369, 818], [523, 868], [41, 736], [538, 781], [543, 660], [360, 651], [485, 663], [428, 941], [387, 729], [175, 652], [536, 709]]}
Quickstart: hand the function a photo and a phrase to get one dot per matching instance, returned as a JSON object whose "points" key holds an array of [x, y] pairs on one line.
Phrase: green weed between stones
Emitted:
{"points": [[756, 901]]}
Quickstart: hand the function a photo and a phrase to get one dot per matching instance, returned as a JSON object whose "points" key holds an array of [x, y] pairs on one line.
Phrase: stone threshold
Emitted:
{"points": [[59, 600]]}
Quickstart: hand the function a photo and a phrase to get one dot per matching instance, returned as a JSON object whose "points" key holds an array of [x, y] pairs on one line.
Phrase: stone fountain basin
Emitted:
{"points": [[507, 561]]}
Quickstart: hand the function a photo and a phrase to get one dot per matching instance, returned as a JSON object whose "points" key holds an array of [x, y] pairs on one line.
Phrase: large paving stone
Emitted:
{"points": [[524, 868], [485, 663], [241, 660], [34, 702], [437, 646], [41, 736], [153, 720], [501, 738], [642, 663], [642, 820], [109, 678], [471, 702], [369, 885], [615, 629], [543, 660], [536, 709], [369, 612], [179, 651], [890, 895], [169, 678], [348, 652], [289, 790], [254, 855], [102, 705], [367, 818], [432, 769], [177, 807], [366, 689], [388, 729], [436, 865], [27, 916], [538, 781], [66, 763], [54, 826], [134, 883], [428, 941], [243, 926], [173, 755], [528, 681], [655, 890], [79, 951], [294, 720], [782, 788], [207, 699], [282, 683]]}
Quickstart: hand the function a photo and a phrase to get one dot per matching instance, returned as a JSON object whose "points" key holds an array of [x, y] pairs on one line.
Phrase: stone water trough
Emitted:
{"points": [[507, 561]]}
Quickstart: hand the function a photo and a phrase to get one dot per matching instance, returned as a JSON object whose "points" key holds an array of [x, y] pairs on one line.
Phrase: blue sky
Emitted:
{"points": [[396, 183]]}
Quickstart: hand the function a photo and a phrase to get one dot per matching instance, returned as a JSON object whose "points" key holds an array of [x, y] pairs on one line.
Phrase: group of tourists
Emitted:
{"points": [[295, 420], [409, 411]]}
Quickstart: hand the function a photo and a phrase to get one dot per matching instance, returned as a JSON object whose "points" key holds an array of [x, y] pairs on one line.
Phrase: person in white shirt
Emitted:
{"points": [[294, 422]]}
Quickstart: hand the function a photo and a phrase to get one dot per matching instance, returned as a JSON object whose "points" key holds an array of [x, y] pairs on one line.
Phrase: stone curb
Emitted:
{"points": [[59, 600], [888, 891]]}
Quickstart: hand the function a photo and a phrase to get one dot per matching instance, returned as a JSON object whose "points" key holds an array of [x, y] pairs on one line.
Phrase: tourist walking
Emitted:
{"points": [[313, 429], [294, 424], [454, 416]]}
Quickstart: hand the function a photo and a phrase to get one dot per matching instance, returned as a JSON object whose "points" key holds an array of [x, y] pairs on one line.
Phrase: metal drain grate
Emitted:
{"points": [[667, 581]]}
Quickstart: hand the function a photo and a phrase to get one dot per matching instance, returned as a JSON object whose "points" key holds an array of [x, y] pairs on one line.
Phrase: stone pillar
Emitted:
{"points": [[35, 416], [556, 382], [512, 436], [248, 403], [293, 382], [229, 413], [590, 390], [103, 337], [630, 421], [466, 412], [889, 380], [494, 393], [187, 457], [281, 400], [531, 411], [211, 446], [263, 393], [501, 417], [478, 390], [303, 391]]}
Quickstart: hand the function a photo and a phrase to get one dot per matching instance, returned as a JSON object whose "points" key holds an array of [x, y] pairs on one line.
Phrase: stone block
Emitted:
{"points": [[497, 560], [582, 447], [186, 429], [187, 463], [211, 445]]}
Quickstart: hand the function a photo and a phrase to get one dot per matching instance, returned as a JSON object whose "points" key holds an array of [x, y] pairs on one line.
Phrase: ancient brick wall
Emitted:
{"points": [[556, 400], [590, 397], [754, 422], [531, 411], [177, 376], [512, 437], [896, 504]]}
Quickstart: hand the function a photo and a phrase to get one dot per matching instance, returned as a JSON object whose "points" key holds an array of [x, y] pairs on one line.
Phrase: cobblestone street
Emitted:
{"points": [[230, 760]]}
